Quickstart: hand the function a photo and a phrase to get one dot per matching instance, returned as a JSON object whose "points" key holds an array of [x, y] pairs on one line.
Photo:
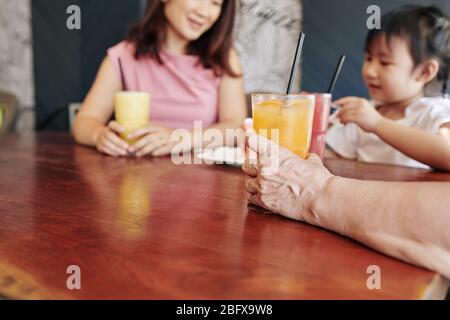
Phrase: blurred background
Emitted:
{"points": [[47, 69]]}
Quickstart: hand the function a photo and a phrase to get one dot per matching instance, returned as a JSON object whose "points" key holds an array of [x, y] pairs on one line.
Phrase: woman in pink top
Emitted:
{"points": [[181, 53]]}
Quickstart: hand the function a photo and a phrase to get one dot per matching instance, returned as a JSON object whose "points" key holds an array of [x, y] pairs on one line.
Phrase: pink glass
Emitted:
{"points": [[320, 124]]}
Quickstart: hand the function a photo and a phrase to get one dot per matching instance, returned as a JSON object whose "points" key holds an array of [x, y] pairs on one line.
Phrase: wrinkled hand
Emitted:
{"points": [[290, 187], [153, 140], [359, 111], [107, 140], [245, 127]]}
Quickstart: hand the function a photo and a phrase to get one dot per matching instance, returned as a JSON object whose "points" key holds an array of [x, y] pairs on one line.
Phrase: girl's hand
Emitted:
{"points": [[359, 111], [153, 140], [107, 140]]}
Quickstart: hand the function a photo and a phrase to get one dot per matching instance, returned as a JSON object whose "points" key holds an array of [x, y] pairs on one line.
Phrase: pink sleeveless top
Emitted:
{"points": [[182, 90]]}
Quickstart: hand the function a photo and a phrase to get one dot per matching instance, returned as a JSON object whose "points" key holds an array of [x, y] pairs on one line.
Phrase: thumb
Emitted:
{"points": [[261, 145]]}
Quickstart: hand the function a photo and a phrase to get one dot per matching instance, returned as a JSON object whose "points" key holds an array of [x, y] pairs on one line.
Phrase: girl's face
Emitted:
{"points": [[389, 72], [189, 19]]}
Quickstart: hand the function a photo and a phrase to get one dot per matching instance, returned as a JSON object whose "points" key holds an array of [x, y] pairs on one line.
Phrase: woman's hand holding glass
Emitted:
{"points": [[107, 140], [152, 140]]}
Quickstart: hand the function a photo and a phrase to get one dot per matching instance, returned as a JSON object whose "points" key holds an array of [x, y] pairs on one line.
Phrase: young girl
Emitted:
{"points": [[181, 53], [400, 125]]}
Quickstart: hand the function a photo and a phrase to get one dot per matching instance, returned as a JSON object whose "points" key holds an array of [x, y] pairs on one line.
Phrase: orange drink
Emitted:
{"points": [[1, 115], [132, 111], [286, 118]]}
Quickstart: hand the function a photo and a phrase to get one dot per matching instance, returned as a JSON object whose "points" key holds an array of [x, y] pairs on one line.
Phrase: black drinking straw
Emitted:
{"points": [[336, 73], [122, 77], [297, 58]]}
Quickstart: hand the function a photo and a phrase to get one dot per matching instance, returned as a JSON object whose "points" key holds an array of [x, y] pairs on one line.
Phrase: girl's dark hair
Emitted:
{"points": [[427, 30], [213, 47]]}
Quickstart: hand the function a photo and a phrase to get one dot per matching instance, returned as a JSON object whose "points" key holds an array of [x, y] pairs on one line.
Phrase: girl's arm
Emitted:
{"points": [[433, 150]]}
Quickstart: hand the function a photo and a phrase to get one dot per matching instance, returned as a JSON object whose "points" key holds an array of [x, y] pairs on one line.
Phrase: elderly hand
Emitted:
{"points": [[282, 182]]}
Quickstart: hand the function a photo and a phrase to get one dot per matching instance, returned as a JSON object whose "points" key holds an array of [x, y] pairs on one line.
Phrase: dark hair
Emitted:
{"points": [[427, 30], [213, 47]]}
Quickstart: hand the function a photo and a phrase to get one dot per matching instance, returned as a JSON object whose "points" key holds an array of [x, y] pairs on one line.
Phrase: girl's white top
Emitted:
{"points": [[350, 141]]}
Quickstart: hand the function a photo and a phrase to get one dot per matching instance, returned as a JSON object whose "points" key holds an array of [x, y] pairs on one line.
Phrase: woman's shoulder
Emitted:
{"points": [[124, 50], [235, 61], [233, 65], [121, 58]]}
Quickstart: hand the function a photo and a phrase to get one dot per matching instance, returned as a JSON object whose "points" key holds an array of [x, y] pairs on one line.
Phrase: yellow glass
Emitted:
{"points": [[132, 111], [2, 110], [291, 116]]}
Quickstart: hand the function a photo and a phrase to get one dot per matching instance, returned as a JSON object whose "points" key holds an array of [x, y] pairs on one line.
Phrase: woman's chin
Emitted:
{"points": [[193, 37]]}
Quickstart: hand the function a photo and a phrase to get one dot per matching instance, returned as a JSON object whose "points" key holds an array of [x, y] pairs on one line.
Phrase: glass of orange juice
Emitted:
{"points": [[286, 118], [132, 111], [2, 111]]}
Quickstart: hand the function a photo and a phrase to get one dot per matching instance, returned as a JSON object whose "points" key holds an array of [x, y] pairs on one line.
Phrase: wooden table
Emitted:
{"points": [[149, 229]]}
